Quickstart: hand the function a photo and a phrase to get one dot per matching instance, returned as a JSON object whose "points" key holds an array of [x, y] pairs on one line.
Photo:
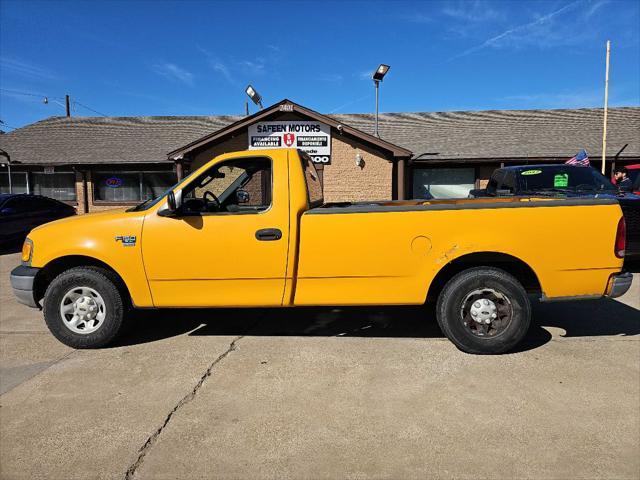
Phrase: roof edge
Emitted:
{"points": [[395, 150]]}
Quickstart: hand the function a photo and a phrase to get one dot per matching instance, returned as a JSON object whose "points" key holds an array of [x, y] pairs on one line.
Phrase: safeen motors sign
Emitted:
{"points": [[313, 138]]}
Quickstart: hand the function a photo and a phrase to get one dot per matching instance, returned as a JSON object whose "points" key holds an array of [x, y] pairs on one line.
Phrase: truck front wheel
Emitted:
{"points": [[83, 307], [484, 310]]}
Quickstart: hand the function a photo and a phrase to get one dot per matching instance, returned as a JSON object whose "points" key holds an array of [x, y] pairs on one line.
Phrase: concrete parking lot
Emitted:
{"points": [[321, 393]]}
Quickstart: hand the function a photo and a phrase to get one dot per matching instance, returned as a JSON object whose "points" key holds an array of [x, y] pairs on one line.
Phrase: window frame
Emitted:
{"points": [[305, 160], [139, 173], [13, 174], [240, 212], [418, 168], [32, 183]]}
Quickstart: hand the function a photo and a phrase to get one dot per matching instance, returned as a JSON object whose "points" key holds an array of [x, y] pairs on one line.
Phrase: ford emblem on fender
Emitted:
{"points": [[127, 240]]}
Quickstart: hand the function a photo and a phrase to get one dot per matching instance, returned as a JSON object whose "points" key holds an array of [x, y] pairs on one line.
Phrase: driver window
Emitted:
{"points": [[238, 186]]}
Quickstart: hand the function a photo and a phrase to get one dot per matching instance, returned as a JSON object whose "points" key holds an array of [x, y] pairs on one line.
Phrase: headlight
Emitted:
{"points": [[27, 251]]}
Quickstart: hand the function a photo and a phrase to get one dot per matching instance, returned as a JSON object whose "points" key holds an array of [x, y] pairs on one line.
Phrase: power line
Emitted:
{"points": [[29, 94], [48, 97], [75, 102]]}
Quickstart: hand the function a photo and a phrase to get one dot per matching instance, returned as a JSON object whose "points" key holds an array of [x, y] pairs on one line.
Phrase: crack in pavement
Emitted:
{"points": [[151, 440]]}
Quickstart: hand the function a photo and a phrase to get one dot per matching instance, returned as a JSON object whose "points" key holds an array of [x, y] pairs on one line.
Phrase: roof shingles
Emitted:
{"points": [[451, 135]]}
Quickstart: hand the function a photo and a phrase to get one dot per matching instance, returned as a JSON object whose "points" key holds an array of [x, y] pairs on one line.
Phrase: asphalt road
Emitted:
{"points": [[321, 393]]}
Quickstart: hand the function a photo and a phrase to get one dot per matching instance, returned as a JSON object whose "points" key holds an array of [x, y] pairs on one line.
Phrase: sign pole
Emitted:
{"points": [[606, 104]]}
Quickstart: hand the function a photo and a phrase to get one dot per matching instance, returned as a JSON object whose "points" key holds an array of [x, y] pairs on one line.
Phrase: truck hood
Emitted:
{"points": [[99, 235], [77, 220]]}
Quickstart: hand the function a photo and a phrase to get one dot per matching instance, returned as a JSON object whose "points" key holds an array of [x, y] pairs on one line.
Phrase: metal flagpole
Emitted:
{"points": [[606, 104]]}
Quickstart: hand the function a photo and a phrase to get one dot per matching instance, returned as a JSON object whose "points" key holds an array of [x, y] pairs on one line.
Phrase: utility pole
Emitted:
{"points": [[606, 105], [67, 105], [246, 108]]}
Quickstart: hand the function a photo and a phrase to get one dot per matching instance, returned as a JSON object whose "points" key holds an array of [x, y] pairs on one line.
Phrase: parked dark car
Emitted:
{"points": [[568, 181], [21, 213]]}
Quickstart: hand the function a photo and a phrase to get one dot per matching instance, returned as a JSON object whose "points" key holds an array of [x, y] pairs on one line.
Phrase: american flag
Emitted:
{"points": [[580, 159]]}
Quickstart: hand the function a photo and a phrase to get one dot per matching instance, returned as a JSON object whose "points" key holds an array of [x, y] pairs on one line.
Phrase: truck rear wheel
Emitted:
{"points": [[484, 310], [83, 307]]}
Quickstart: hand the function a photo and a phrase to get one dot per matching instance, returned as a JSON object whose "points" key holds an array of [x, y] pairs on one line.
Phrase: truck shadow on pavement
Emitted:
{"points": [[574, 319]]}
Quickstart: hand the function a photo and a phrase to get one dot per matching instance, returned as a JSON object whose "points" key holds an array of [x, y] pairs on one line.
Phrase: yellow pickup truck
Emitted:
{"points": [[251, 229]]}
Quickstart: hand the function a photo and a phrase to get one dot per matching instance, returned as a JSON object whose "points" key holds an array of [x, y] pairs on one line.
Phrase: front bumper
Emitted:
{"points": [[619, 284], [22, 280]]}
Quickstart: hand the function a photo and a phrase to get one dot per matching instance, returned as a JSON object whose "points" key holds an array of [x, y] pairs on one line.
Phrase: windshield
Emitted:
{"points": [[563, 178]]}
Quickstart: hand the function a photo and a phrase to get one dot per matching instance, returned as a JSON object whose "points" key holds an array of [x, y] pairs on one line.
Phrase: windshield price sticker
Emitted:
{"points": [[561, 180], [313, 138], [531, 172]]}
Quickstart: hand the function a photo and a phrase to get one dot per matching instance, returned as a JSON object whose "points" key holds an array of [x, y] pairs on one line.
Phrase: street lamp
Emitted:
{"points": [[378, 75], [254, 96]]}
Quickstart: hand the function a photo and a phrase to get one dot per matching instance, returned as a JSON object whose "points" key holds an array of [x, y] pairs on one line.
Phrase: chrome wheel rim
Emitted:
{"points": [[486, 312], [82, 310]]}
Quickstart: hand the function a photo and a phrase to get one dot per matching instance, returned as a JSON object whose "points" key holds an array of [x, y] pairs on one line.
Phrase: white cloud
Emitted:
{"points": [[540, 32], [253, 67], [472, 11], [173, 72], [347, 104], [594, 8], [222, 69], [26, 69]]}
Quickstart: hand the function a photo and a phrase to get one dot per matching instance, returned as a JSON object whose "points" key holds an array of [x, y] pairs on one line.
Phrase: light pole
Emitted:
{"points": [[254, 96], [378, 75]]}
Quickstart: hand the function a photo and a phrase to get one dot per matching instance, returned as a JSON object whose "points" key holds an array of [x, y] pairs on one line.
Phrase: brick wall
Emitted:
{"points": [[342, 180], [79, 193]]}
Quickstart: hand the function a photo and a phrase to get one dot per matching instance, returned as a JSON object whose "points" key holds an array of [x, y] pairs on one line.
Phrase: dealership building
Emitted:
{"points": [[98, 163]]}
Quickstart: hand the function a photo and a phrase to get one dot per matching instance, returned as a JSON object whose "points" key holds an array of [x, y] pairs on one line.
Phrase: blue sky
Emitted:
{"points": [[195, 58]]}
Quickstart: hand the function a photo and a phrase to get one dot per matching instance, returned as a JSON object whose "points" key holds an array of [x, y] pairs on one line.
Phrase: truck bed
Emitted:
{"points": [[387, 252]]}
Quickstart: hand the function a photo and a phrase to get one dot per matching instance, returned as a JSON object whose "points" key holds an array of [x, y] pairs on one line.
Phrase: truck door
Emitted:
{"points": [[227, 245]]}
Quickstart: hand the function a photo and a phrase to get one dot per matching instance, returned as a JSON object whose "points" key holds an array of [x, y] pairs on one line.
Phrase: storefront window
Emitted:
{"points": [[61, 186], [130, 187], [19, 182], [154, 184], [443, 182]]}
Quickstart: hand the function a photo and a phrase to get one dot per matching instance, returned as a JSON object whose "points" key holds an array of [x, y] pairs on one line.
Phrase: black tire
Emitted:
{"points": [[102, 281], [456, 323]]}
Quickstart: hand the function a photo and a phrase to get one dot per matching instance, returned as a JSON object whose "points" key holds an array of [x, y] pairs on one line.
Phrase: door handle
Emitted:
{"points": [[268, 234]]}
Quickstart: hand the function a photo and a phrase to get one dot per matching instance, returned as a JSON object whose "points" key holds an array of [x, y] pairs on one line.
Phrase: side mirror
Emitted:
{"points": [[171, 201], [242, 196], [174, 204]]}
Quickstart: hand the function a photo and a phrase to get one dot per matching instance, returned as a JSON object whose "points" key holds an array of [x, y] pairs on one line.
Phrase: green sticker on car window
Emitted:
{"points": [[531, 172], [561, 180]]}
